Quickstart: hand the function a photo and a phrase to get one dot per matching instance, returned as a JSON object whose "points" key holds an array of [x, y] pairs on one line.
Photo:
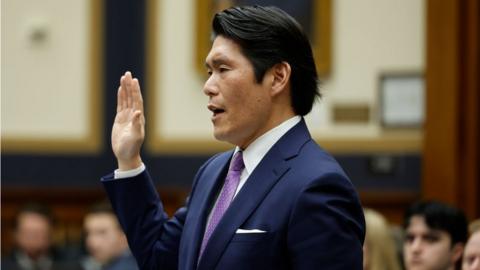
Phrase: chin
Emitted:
{"points": [[224, 136], [219, 135]]}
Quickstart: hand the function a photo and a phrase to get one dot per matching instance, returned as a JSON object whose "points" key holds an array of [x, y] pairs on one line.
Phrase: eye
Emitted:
{"points": [[409, 238], [222, 69], [431, 238], [209, 72], [470, 259]]}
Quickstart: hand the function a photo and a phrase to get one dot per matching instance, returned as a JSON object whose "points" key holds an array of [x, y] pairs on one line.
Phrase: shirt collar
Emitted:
{"points": [[259, 148]]}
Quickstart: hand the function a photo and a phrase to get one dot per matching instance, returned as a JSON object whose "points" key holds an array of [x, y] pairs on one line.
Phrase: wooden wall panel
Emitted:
{"points": [[451, 149]]}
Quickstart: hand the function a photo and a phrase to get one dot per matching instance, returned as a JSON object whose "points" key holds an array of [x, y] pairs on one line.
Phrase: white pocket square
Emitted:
{"points": [[250, 231]]}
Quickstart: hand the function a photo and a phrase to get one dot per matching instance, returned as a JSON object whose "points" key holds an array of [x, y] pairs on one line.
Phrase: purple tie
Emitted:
{"points": [[225, 198]]}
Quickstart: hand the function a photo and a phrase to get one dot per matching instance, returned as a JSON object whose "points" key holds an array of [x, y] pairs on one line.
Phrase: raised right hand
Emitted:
{"points": [[128, 130]]}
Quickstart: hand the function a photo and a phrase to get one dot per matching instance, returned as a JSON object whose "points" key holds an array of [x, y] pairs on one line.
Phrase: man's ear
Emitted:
{"points": [[280, 77], [457, 251]]}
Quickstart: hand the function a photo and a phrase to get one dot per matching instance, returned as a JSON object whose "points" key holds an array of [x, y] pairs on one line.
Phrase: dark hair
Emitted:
{"points": [[102, 207], [35, 208], [442, 217], [268, 36]]}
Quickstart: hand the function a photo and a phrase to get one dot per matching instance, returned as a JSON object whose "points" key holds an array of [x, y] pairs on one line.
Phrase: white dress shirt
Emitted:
{"points": [[259, 148]]}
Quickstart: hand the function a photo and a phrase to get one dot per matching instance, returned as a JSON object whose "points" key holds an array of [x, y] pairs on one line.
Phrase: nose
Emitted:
{"points": [[92, 242], [210, 88], [416, 245]]}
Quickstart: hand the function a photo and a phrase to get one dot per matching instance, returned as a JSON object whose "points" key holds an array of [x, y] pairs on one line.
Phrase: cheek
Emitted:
{"points": [[33, 238], [254, 103], [98, 240], [239, 106], [93, 241], [408, 250], [438, 252], [113, 240]]}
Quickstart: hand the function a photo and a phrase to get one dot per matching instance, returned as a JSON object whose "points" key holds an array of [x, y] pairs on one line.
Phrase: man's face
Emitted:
{"points": [[33, 234], [104, 238], [471, 257], [425, 248], [241, 107]]}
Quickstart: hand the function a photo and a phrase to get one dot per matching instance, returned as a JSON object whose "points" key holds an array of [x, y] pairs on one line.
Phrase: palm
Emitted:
{"points": [[128, 129], [126, 138]]}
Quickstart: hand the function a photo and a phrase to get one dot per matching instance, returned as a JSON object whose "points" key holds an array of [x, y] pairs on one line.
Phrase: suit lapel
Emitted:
{"points": [[268, 172], [200, 207]]}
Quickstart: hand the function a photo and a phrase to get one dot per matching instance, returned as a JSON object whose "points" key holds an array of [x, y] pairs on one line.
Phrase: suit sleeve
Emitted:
{"points": [[327, 227], [153, 237]]}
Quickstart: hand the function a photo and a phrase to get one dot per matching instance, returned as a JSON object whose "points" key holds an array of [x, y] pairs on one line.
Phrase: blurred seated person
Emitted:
{"points": [[471, 256], [379, 250], [33, 227], [105, 241], [474, 226], [435, 235]]}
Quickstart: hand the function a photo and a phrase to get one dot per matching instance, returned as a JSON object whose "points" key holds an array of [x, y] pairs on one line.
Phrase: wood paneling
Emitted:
{"points": [[390, 204], [451, 149]]}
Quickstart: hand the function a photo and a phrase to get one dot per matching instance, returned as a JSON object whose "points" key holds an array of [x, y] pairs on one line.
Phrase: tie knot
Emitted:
{"points": [[237, 162]]}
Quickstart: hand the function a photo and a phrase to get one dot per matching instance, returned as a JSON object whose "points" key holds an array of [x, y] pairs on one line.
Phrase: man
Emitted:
{"points": [[435, 234], [105, 241], [277, 201], [471, 256], [33, 241]]}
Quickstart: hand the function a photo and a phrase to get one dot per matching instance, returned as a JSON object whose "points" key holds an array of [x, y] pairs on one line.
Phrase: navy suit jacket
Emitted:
{"points": [[297, 194]]}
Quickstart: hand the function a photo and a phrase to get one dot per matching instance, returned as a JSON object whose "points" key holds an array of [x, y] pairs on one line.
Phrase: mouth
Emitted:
{"points": [[215, 109], [416, 261]]}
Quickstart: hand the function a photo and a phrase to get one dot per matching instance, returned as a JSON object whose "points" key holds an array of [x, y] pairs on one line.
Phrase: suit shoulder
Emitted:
{"points": [[215, 160], [313, 162]]}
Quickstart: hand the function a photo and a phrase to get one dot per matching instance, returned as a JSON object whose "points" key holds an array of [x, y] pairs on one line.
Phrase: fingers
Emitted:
{"points": [[122, 95], [120, 98], [129, 95], [127, 80], [137, 99]]}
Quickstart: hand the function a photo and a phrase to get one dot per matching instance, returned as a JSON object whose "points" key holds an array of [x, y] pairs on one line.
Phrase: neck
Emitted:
{"points": [[273, 123], [280, 112]]}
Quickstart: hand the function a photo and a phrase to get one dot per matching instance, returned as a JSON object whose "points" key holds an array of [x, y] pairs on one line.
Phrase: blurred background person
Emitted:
{"points": [[474, 226], [435, 235], [471, 256], [379, 250], [105, 241], [33, 241]]}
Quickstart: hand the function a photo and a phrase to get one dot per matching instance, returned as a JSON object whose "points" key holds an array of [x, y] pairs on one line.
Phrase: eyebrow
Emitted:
{"points": [[217, 61], [430, 233]]}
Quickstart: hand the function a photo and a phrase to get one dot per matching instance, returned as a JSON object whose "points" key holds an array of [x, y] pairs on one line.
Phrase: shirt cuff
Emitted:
{"points": [[118, 174]]}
